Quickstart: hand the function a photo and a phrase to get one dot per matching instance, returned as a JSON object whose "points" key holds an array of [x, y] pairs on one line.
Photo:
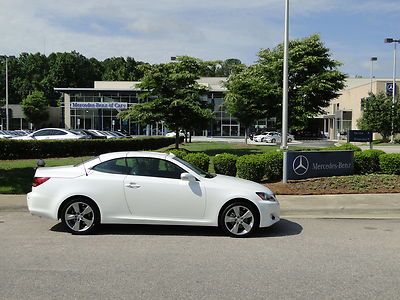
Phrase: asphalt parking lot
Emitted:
{"points": [[295, 259]]}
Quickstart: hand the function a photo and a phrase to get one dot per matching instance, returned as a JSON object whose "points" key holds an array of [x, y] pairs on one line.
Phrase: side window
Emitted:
{"points": [[114, 166], [153, 167], [42, 133], [57, 132]]}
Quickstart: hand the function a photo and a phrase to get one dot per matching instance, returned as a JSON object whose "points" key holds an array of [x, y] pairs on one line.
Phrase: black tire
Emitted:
{"points": [[273, 141], [83, 221], [228, 220], [289, 140]]}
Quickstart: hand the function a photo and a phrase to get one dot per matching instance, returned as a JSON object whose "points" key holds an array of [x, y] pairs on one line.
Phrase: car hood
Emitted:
{"points": [[239, 184]]}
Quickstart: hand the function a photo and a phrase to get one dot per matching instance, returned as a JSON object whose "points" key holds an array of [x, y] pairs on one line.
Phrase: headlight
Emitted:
{"points": [[266, 197]]}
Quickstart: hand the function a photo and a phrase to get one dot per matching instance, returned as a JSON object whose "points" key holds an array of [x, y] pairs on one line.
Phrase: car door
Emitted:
{"points": [[154, 190]]}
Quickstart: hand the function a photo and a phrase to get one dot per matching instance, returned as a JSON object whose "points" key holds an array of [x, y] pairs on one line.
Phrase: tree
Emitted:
{"points": [[376, 116], [219, 68], [314, 78], [172, 95], [35, 108], [246, 97]]}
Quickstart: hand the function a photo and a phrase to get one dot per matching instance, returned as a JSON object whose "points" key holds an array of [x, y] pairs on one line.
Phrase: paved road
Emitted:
{"points": [[296, 259]]}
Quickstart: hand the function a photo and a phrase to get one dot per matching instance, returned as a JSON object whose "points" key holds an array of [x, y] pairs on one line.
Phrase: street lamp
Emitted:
{"points": [[394, 41], [372, 59], [6, 58], [285, 90]]}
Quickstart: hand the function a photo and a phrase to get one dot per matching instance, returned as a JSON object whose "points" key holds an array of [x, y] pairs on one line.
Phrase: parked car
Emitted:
{"points": [[261, 137], [90, 134], [173, 134], [104, 133], [276, 137], [149, 188], [5, 135], [51, 134]]}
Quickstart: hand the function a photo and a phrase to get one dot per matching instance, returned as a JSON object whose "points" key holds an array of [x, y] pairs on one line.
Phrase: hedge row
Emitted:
{"points": [[390, 163], [17, 149], [367, 162]]}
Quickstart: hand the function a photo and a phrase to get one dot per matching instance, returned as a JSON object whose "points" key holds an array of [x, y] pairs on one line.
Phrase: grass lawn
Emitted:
{"points": [[16, 175]]}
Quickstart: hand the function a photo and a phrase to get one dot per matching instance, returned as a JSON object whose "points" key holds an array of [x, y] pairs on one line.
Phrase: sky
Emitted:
{"points": [[154, 30]]}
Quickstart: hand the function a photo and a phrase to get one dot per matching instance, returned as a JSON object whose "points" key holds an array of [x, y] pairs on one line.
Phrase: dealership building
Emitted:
{"points": [[343, 112], [97, 108]]}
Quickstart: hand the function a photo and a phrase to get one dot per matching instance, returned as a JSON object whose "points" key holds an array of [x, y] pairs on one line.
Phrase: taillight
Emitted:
{"points": [[39, 180]]}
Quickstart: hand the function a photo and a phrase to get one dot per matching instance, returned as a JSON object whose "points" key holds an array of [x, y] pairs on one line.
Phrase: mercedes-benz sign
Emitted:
{"points": [[307, 164], [300, 165]]}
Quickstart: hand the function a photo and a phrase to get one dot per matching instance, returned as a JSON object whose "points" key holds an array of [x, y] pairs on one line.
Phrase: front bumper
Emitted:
{"points": [[269, 213]]}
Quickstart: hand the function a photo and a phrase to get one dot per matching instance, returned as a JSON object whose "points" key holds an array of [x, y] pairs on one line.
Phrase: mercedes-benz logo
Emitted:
{"points": [[300, 165]]}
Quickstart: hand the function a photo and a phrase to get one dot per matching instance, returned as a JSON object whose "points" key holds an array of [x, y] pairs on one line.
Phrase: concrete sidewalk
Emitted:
{"points": [[370, 206]]}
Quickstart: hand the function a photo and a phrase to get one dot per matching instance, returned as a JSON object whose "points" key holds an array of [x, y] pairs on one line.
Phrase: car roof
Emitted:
{"points": [[113, 155]]}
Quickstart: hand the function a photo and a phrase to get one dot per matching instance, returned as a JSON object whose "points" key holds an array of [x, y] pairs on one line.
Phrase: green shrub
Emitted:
{"points": [[181, 153], [17, 149], [367, 162], [390, 163], [346, 146], [200, 160], [273, 165], [225, 164], [251, 167]]}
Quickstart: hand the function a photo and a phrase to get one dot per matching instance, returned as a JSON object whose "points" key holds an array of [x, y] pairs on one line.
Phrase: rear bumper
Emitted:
{"points": [[269, 213], [41, 206]]}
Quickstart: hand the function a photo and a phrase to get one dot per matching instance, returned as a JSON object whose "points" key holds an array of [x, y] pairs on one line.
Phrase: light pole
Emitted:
{"points": [[285, 91], [372, 59], [6, 58], [394, 41]]}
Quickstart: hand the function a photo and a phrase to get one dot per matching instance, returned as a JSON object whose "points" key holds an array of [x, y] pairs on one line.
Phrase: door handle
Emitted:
{"points": [[132, 185]]}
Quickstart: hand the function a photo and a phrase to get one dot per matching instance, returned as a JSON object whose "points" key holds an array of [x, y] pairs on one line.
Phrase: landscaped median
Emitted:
{"points": [[375, 171]]}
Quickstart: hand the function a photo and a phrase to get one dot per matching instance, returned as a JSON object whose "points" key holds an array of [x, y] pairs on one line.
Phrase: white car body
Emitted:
{"points": [[263, 136], [173, 134], [50, 134], [132, 199], [277, 138]]}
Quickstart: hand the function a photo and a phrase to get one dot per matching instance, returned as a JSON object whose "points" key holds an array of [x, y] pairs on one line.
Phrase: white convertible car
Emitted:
{"points": [[149, 188]]}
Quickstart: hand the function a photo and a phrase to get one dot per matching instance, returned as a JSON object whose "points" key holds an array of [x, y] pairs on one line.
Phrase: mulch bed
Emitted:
{"points": [[356, 184]]}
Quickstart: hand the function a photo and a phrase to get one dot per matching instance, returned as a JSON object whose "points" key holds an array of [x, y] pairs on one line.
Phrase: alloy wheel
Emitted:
{"points": [[79, 217], [239, 220]]}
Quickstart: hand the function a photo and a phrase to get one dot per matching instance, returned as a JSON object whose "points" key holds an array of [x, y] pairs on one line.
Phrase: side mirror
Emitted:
{"points": [[188, 177]]}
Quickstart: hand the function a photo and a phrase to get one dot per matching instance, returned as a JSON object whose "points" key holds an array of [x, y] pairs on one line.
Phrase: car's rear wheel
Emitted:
{"points": [[273, 140], [80, 216], [239, 219], [289, 140]]}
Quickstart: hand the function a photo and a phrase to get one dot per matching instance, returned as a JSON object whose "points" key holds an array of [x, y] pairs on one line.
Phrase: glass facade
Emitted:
{"points": [[105, 118], [223, 123]]}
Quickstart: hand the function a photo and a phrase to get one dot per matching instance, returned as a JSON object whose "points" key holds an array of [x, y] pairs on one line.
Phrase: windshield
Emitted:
{"points": [[194, 168]]}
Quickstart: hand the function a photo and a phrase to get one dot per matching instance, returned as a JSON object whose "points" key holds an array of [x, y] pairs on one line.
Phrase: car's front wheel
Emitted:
{"points": [[80, 216], [289, 140], [239, 219], [273, 140]]}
